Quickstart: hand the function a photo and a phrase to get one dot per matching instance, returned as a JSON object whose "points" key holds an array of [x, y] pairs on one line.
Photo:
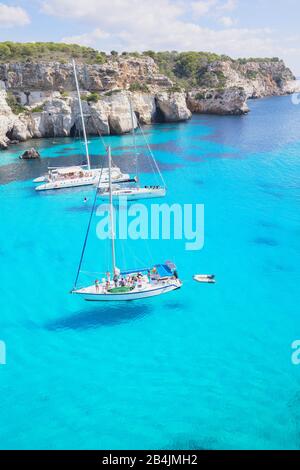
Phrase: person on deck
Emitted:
{"points": [[115, 279]]}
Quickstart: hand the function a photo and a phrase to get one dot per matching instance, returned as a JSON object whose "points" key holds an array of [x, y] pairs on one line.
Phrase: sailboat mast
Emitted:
{"points": [[111, 212], [82, 118], [133, 134]]}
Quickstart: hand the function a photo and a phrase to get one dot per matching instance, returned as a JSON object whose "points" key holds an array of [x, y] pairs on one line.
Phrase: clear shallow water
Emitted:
{"points": [[204, 367]]}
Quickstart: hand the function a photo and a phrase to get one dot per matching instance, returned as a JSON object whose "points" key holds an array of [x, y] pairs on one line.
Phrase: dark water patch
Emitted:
{"points": [[194, 158], [206, 138], [275, 194], [101, 315], [265, 241], [82, 208], [283, 268], [128, 147], [272, 265], [170, 166], [211, 155], [175, 306], [199, 182], [267, 224], [280, 187], [169, 146], [65, 150]]}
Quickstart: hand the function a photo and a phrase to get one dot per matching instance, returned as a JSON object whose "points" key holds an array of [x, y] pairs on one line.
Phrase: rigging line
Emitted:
{"points": [[82, 116], [133, 134], [152, 156], [88, 229], [101, 136], [153, 169]]}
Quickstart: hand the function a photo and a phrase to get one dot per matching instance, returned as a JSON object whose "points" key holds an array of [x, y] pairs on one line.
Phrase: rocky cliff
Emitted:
{"points": [[37, 98]]}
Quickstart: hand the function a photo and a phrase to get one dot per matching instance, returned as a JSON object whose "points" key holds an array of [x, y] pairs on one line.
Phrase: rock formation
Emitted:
{"points": [[173, 106], [6, 120], [42, 101], [225, 102], [30, 154]]}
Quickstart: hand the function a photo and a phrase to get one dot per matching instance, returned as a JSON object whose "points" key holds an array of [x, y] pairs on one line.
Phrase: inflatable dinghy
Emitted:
{"points": [[205, 278]]}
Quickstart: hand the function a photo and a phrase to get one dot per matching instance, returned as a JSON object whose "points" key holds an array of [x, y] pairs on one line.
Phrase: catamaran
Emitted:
{"points": [[134, 284], [83, 175], [136, 191], [69, 177]]}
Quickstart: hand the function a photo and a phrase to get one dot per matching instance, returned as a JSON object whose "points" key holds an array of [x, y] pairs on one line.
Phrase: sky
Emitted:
{"points": [[238, 28]]}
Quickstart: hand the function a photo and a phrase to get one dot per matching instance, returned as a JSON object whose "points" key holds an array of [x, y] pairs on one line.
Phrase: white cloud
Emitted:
{"points": [[201, 8], [227, 21], [213, 7], [164, 25], [229, 5], [12, 16], [87, 39], [116, 12]]}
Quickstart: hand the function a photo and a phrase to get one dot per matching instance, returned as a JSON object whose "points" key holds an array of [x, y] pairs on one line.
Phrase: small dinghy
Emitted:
{"points": [[205, 278]]}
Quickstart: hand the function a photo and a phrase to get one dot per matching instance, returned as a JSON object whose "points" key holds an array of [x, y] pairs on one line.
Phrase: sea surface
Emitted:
{"points": [[204, 367]]}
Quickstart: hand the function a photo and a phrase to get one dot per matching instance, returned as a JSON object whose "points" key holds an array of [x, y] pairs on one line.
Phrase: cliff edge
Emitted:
{"points": [[37, 97]]}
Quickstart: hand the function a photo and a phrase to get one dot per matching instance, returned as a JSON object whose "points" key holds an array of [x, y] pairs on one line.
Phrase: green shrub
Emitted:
{"points": [[112, 92], [251, 74], [175, 89], [16, 107], [38, 109], [20, 52], [136, 86], [93, 98], [200, 96]]}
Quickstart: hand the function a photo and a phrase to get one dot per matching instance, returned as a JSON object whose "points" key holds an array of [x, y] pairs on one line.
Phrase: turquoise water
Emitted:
{"points": [[208, 366]]}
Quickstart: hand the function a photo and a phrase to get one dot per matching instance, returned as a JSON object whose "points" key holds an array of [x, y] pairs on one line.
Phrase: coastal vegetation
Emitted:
{"points": [[48, 51], [93, 97], [38, 109], [187, 70], [15, 106], [136, 86]]}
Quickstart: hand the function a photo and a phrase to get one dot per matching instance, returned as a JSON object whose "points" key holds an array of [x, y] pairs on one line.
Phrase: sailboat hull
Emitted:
{"points": [[133, 194], [90, 293], [82, 181]]}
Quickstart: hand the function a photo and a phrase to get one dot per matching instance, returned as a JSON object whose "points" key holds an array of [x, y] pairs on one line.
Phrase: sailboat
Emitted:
{"points": [[136, 191], [84, 175], [131, 284]]}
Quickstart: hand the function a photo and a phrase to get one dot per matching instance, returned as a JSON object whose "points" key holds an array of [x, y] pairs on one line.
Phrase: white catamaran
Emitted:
{"points": [[73, 176], [137, 191], [132, 284]]}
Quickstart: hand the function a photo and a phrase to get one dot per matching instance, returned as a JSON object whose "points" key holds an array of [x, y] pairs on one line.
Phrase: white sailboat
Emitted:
{"points": [[136, 191], [74, 176], [132, 284]]}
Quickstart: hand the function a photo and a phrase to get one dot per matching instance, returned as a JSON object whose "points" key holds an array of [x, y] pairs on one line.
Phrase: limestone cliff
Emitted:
{"points": [[257, 77], [230, 101], [37, 98]]}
